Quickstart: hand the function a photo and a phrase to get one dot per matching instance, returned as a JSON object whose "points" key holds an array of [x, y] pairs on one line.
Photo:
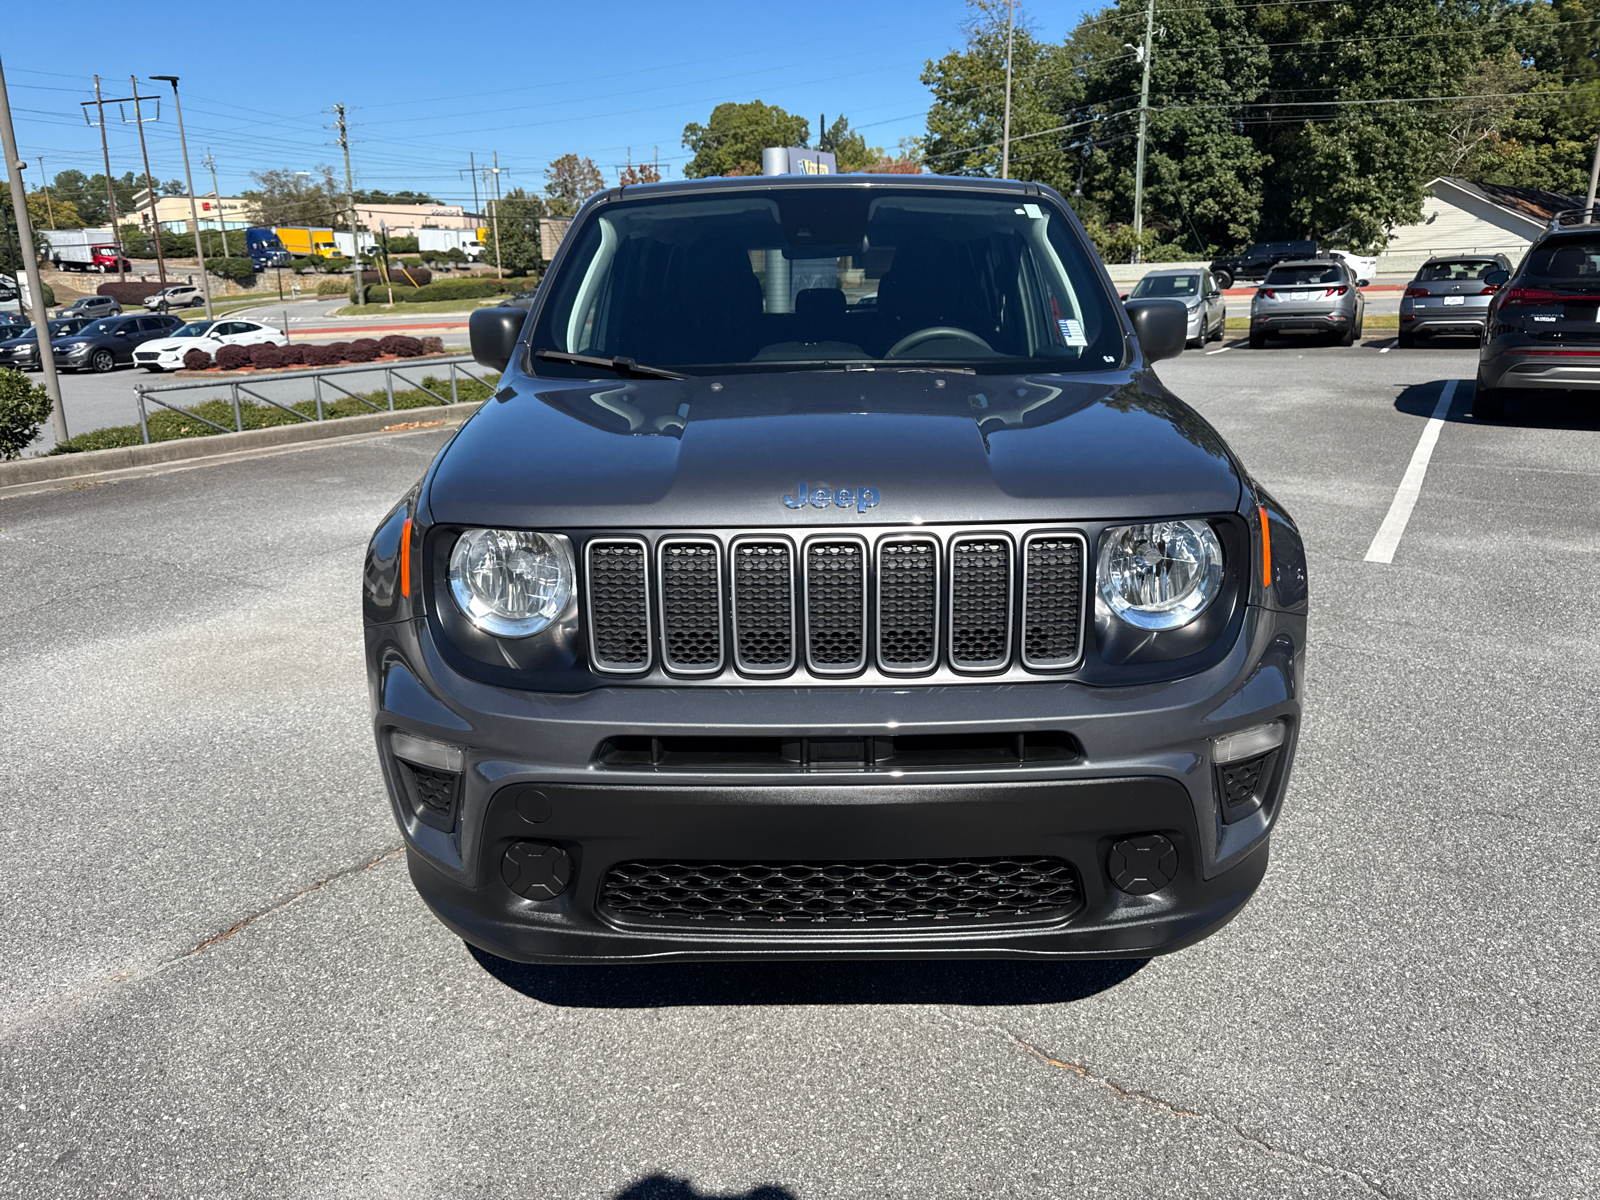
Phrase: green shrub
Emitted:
{"points": [[308, 263], [456, 254], [332, 287], [452, 289], [24, 408], [403, 245], [230, 268]]}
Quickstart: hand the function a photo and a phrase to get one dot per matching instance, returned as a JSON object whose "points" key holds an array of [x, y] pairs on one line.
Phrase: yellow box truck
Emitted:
{"points": [[302, 241]]}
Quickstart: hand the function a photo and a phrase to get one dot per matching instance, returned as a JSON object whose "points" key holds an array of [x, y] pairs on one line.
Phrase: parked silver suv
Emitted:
{"points": [[179, 295], [1313, 296], [1449, 295], [92, 306], [1196, 287]]}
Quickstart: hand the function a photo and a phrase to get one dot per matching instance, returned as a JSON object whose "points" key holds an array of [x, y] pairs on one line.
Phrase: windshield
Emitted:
{"points": [[1300, 276], [1567, 262], [59, 327], [819, 277], [100, 328], [194, 329], [1166, 285], [1465, 268]]}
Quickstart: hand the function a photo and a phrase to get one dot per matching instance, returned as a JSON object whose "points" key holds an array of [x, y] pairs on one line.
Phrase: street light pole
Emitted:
{"points": [[44, 180], [188, 178], [40, 312]]}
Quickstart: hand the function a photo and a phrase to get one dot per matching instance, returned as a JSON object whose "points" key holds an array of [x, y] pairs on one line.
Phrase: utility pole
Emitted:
{"points": [[188, 178], [1144, 125], [499, 273], [38, 311], [1005, 136], [111, 195], [350, 203], [1594, 185], [473, 169], [45, 181], [149, 183], [222, 223]]}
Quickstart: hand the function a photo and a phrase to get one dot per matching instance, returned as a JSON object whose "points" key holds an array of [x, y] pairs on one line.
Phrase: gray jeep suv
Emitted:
{"points": [[831, 575]]}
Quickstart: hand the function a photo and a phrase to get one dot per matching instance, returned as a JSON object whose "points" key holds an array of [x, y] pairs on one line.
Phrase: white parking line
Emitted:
{"points": [[1390, 346], [1405, 499]]}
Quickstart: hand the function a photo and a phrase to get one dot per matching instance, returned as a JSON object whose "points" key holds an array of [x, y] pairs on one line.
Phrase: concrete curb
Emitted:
{"points": [[92, 462]]}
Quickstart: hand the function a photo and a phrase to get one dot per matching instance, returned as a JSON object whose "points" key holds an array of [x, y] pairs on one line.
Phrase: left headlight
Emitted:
{"points": [[1161, 575], [509, 582]]}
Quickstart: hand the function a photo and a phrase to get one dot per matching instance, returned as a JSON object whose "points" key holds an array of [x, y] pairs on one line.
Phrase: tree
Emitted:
{"points": [[174, 187], [364, 196], [54, 212], [635, 173], [24, 408], [519, 233], [285, 197], [966, 118], [849, 148], [572, 180], [731, 140], [87, 193]]}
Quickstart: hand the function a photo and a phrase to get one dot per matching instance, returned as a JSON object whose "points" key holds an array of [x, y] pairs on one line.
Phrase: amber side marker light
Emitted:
{"points": [[405, 555], [1266, 549]]}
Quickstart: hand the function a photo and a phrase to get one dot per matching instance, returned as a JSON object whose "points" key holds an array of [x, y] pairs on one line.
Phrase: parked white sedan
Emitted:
{"points": [[210, 336]]}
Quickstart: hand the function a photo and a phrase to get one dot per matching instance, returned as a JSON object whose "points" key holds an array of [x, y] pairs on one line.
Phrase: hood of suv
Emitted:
{"points": [[777, 449]]}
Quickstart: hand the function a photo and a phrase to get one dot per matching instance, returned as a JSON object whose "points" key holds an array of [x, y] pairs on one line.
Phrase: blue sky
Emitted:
{"points": [[423, 89]]}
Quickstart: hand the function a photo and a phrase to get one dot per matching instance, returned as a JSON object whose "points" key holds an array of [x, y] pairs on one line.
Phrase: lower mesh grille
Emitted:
{"points": [[811, 893], [836, 605], [619, 612], [691, 606], [980, 603], [908, 604], [433, 789], [1241, 780], [763, 605], [1052, 601]]}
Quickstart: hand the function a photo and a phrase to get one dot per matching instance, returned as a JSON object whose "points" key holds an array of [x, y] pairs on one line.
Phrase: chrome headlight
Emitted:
{"points": [[509, 582], [1161, 575]]}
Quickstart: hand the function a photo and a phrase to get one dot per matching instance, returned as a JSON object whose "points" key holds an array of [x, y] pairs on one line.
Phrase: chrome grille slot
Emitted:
{"points": [[908, 603], [980, 602], [691, 606], [763, 606], [619, 604], [1052, 600], [836, 605]]}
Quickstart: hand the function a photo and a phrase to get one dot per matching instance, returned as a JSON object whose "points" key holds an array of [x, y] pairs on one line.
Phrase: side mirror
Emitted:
{"points": [[1497, 278], [1122, 295], [493, 334], [1363, 283], [1162, 327]]}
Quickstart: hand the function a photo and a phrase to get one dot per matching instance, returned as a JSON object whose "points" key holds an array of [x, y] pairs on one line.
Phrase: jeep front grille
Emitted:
{"points": [[837, 604]]}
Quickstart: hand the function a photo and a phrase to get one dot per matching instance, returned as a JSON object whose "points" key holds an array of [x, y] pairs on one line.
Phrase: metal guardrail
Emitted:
{"points": [[318, 378]]}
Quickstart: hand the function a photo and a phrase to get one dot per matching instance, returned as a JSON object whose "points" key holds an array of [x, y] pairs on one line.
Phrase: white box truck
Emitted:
{"points": [[83, 250], [440, 240]]}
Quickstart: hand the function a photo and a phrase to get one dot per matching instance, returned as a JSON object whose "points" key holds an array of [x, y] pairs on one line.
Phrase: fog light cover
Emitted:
{"points": [[1247, 743]]}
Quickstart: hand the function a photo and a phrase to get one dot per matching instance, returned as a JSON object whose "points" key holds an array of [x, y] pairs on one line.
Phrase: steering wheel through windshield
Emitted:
{"points": [[935, 333]]}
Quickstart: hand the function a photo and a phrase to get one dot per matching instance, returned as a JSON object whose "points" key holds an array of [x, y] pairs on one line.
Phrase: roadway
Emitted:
{"points": [[220, 983]]}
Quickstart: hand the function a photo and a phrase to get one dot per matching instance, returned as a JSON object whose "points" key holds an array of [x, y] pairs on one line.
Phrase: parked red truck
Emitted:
{"points": [[84, 250]]}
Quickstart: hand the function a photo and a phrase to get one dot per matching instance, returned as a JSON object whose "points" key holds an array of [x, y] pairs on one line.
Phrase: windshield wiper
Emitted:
{"points": [[622, 366]]}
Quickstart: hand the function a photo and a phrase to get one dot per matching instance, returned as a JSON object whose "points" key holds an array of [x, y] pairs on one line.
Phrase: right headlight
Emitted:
{"points": [[509, 582], [1160, 575]]}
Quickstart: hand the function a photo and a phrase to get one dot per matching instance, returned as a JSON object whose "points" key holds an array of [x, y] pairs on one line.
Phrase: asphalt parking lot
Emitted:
{"points": [[220, 983]]}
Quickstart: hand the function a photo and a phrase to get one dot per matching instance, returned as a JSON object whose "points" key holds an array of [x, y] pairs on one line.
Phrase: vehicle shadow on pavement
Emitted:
{"points": [[664, 1187], [671, 985], [1525, 409]]}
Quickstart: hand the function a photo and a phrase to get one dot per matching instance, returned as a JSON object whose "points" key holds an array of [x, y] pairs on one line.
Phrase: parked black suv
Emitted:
{"points": [[1260, 258], [832, 575], [104, 345], [1543, 325]]}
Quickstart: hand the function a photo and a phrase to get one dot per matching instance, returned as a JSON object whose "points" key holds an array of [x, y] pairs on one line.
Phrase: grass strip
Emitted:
{"points": [[1370, 321], [168, 425]]}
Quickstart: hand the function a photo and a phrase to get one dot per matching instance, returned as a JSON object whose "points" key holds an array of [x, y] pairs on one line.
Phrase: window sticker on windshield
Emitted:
{"points": [[1033, 210], [1072, 331]]}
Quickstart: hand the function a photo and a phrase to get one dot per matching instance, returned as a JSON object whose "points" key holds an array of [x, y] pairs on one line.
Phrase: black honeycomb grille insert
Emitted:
{"points": [[618, 607], [1052, 601], [1241, 780], [763, 604], [435, 790], [691, 605], [812, 893], [908, 604], [836, 592], [980, 602]]}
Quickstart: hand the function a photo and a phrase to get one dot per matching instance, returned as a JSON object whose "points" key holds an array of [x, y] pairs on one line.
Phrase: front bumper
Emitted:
{"points": [[1145, 769]]}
